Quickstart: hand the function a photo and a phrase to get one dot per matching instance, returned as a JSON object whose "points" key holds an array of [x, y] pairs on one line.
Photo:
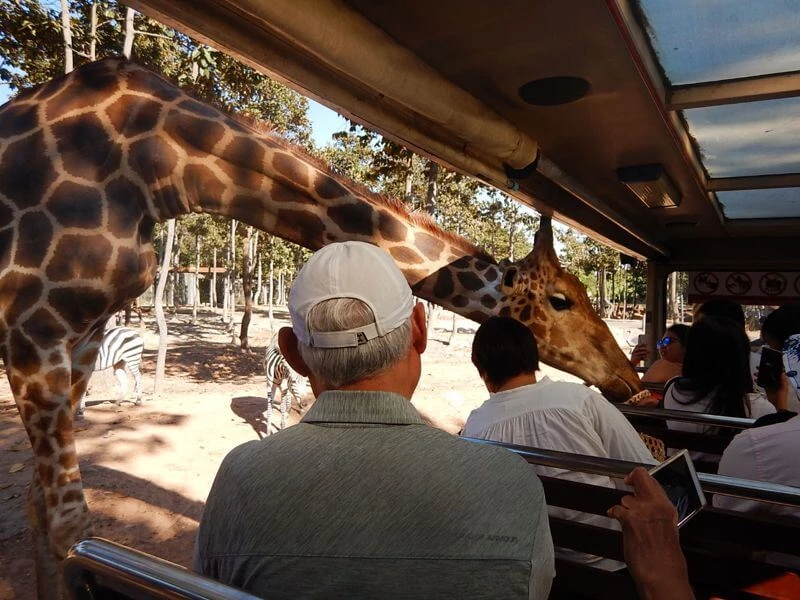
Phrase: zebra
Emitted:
{"points": [[120, 347], [279, 372]]}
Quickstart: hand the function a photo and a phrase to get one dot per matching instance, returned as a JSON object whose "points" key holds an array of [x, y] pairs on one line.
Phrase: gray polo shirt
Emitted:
{"points": [[362, 499]]}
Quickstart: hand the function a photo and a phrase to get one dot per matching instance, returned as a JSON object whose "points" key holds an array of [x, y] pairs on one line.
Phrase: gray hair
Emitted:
{"points": [[341, 366]]}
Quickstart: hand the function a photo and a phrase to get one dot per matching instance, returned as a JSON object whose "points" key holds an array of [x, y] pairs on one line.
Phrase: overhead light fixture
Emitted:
{"points": [[651, 184], [552, 91]]}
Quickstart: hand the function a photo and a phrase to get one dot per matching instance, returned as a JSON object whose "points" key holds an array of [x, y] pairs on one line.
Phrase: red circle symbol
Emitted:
{"points": [[706, 283], [772, 283], [738, 283]]}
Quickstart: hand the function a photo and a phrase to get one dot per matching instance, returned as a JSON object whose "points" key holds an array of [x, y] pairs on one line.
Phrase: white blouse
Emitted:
{"points": [[564, 416]]}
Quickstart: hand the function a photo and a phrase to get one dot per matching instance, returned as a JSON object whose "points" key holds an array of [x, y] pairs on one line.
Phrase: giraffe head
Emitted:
{"points": [[571, 336]]}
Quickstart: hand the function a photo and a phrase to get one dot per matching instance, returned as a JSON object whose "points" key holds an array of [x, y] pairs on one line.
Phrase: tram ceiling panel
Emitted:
{"points": [[703, 98]]}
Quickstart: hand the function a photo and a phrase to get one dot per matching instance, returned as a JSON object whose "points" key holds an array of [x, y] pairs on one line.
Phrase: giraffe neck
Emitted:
{"points": [[199, 159]]}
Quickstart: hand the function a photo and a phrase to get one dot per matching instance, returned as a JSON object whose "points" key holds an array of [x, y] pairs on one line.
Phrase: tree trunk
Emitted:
{"points": [[93, 33], [601, 291], [247, 289], [410, 180], [432, 196], [196, 298], [512, 232], [232, 290], [624, 294], [127, 45], [159, 308], [257, 263], [259, 297], [614, 292], [673, 296], [270, 295], [66, 28], [430, 314], [452, 331], [176, 264], [212, 296], [226, 288]]}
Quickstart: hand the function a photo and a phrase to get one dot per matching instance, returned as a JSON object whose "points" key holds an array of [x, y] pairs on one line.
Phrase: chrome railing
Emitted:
{"points": [[686, 416], [96, 562], [713, 484]]}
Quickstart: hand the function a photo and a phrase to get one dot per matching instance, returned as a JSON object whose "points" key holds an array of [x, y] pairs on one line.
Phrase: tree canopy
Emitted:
{"points": [[32, 51]]}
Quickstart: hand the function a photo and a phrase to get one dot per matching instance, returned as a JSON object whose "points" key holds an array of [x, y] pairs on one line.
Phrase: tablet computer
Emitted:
{"points": [[679, 480]]}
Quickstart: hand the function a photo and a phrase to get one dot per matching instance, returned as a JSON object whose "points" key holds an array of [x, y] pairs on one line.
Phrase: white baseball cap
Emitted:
{"points": [[350, 270]]}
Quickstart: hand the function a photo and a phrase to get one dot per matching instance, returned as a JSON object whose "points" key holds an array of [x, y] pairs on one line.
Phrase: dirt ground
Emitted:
{"points": [[147, 469]]}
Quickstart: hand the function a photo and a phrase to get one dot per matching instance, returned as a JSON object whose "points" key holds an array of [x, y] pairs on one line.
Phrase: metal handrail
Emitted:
{"points": [[136, 574], [686, 416], [713, 484]]}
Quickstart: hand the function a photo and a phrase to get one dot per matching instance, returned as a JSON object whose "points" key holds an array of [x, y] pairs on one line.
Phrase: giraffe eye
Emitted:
{"points": [[559, 302]]}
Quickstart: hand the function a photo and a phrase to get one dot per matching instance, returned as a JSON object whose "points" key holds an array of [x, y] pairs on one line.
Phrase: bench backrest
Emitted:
{"points": [[653, 421], [725, 550]]}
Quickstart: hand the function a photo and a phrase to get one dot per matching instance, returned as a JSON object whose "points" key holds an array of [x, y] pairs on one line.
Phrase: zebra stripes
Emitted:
{"points": [[279, 372], [120, 347]]}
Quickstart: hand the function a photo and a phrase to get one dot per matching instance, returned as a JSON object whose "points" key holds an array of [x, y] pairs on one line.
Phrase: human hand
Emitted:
{"points": [[650, 539], [639, 353], [780, 397]]}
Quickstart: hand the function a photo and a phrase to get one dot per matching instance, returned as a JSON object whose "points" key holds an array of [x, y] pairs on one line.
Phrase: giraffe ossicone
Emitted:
{"points": [[89, 162]]}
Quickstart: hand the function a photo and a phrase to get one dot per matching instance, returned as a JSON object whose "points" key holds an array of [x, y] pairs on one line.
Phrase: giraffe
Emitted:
{"points": [[89, 162]]}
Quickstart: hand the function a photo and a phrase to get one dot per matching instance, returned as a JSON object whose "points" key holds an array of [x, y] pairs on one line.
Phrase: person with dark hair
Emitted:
{"points": [[555, 415], [671, 347], [767, 453], [503, 349], [715, 378], [721, 307], [781, 323], [780, 331]]}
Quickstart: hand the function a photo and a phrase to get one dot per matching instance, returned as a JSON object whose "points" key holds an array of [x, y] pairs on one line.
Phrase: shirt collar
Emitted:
{"points": [[382, 408], [505, 394]]}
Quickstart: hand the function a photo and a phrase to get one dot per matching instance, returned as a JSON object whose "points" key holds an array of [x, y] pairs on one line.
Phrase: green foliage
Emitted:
{"points": [[31, 43], [463, 205], [31, 52], [585, 258]]}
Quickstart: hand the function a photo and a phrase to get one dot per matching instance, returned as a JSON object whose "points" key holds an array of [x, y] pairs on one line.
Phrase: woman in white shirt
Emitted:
{"points": [[542, 413], [715, 378]]}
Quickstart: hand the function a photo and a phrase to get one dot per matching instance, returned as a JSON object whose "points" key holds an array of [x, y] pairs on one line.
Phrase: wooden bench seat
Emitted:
{"points": [[726, 551]]}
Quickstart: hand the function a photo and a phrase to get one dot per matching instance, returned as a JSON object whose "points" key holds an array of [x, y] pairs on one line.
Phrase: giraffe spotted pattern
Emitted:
{"points": [[91, 161]]}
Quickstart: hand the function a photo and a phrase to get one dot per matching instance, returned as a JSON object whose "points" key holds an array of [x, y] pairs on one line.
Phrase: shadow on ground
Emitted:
{"points": [[207, 362], [251, 409]]}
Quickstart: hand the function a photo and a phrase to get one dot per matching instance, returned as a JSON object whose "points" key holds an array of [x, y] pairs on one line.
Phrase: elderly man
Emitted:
{"points": [[362, 498]]}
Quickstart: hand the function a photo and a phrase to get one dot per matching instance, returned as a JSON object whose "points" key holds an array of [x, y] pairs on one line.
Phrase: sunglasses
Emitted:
{"points": [[664, 342]]}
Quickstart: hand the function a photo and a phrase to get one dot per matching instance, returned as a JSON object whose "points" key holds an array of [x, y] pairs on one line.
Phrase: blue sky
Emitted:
{"points": [[324, 123]]}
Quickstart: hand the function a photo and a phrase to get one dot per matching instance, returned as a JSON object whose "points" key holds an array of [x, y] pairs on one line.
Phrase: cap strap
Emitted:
{"points": [[343, 339]]}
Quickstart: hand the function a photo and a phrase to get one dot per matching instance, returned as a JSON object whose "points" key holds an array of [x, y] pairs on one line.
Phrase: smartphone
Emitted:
{"points": [[770, 368], [642, 338], [679, 480]]}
